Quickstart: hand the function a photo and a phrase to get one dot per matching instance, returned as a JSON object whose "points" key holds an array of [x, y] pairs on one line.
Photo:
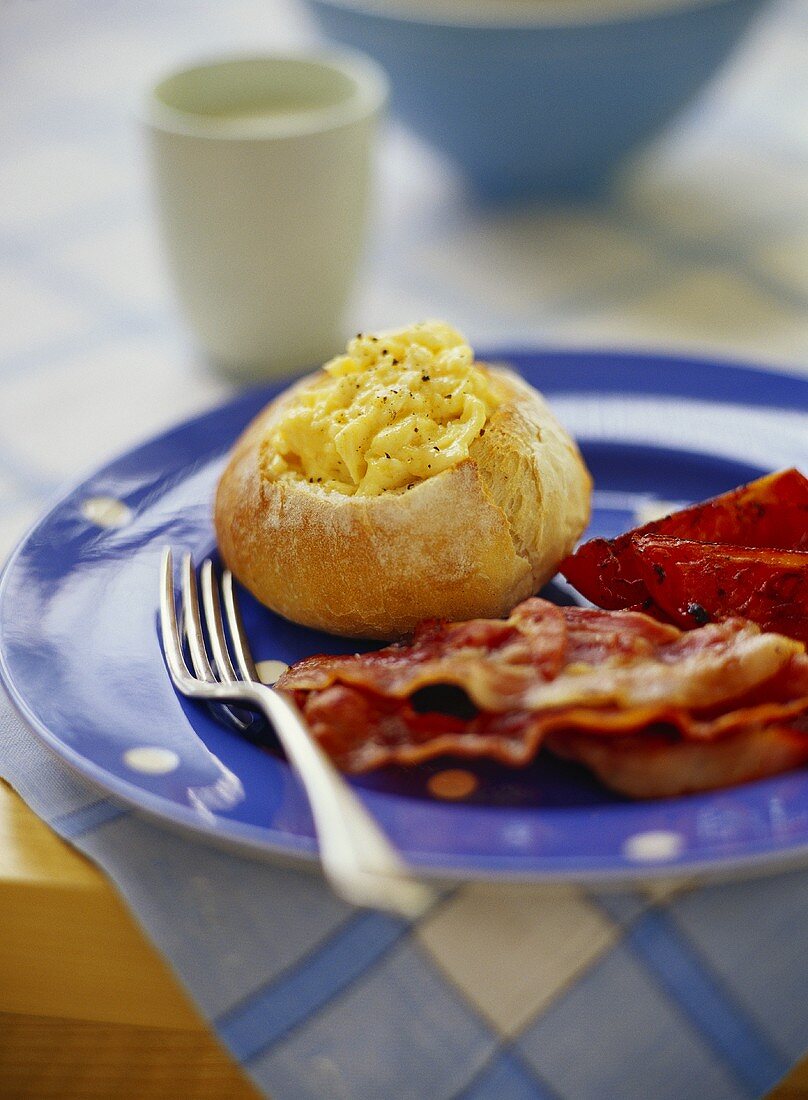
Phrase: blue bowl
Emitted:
{"points": [[548, 100]]}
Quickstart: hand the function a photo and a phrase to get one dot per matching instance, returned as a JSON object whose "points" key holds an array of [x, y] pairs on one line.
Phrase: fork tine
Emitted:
{"points": [[241, 647], [213, 616], [172, 644], [193, 623]]}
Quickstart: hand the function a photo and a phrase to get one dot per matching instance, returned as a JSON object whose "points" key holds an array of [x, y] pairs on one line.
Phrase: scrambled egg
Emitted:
{"points": [[397, 408]]}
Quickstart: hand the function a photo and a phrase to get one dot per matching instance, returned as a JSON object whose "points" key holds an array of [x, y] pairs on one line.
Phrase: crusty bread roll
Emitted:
{"points": [[472, 540]]}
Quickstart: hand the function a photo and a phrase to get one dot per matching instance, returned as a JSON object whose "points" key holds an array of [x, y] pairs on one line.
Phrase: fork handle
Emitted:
{"points": [[357, 858]]}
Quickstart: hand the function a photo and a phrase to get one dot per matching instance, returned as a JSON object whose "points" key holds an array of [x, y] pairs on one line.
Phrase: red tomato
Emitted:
{"points": [[694, 583], [771, 512]]}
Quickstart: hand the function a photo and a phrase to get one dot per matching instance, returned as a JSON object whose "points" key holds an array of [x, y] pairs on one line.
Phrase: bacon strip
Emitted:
{"points": [[656, 765], [495, 661], [545, 656], [572, 677]]}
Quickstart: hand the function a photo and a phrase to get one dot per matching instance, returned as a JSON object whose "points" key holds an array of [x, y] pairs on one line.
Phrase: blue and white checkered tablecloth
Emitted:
{"points": [[501, 992]]}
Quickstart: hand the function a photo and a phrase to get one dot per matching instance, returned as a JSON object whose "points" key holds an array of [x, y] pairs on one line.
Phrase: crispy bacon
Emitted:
{"points": [[495, 661], [570, 677], [657, 764], [545, 656]]}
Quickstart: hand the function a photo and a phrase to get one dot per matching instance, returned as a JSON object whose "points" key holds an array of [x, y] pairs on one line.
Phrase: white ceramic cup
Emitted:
{"points": [[262, 170]]}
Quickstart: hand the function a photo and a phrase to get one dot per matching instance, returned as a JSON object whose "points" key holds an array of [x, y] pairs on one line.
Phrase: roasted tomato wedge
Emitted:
{"points": [[769, 514], [694, 583]]}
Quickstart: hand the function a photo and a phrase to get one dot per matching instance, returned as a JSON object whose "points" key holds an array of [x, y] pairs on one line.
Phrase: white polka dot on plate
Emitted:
{"points": [[269, 672], [517, 835], [151, 760], [653, 846], [106, 511]]}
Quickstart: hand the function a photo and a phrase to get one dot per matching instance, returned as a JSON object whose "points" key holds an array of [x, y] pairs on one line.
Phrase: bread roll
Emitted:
{"points": [[472, 539]]}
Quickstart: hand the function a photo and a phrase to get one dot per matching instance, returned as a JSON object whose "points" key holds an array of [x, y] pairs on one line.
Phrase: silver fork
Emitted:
{"points": [[357, 858]]}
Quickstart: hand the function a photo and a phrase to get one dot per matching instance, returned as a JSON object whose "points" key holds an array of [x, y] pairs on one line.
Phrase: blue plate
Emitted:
{"points": [[82, 661]]}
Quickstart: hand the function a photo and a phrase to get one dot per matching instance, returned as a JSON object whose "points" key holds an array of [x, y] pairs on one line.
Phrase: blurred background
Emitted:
{"points": [[699, 242]]}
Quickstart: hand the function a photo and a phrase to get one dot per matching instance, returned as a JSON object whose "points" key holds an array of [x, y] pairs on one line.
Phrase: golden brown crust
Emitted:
{"points": [[471, 541]]}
